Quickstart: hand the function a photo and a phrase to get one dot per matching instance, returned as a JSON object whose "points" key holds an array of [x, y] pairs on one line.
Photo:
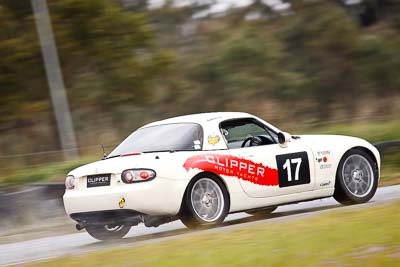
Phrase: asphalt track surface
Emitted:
{"points": [[81, 243]]}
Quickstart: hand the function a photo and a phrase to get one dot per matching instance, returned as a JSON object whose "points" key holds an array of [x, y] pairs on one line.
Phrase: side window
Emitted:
{"points": [[236, 132]]}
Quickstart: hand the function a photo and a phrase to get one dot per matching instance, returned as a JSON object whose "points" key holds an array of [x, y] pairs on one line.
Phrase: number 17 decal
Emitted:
{"points": [[293, 169], [286, 166]]}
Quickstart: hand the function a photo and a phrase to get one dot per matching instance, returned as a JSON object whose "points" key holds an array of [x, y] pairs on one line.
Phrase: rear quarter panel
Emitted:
{"points": [[177, 166]]}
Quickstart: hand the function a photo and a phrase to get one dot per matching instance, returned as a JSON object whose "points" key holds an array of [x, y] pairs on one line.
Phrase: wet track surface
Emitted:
{"points": [[79, 243]]}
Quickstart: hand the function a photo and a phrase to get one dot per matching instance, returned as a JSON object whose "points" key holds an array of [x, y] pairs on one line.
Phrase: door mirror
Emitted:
{"points": [[283, 138]]}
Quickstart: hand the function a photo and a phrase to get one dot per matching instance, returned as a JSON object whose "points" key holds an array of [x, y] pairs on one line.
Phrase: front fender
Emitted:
{"points": [[328, 151]]}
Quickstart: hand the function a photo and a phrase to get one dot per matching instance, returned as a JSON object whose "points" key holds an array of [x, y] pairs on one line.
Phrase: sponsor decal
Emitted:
{"points": [[244, 169], [121, 202], [325, 166], [213, 139], [323, 153], [325, 183], [98, 180], [322, 159], [214, 118], [197, 144]]}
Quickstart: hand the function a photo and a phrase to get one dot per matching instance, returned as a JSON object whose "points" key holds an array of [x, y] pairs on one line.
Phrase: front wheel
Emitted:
{"points": [[108, 231], [206, 203], [356, 178]]}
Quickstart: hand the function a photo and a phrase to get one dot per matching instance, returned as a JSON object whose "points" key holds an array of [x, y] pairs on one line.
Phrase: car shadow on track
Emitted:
{"points": [[176, 233], [281, 214]]}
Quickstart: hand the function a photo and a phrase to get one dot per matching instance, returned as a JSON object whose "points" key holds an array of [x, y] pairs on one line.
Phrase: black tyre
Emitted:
{"points": [[356, 178], [206, 202], [262, 212], [109, 231]]}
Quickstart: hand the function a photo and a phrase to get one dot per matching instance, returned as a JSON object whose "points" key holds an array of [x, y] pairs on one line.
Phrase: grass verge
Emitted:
{"points": [[351, 237]]}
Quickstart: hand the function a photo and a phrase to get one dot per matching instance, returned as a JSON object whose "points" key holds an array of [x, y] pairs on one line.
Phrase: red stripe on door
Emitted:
{"points": [[244, 169]]}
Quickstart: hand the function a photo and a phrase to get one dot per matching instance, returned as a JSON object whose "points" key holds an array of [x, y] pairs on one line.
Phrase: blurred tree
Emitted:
{"points": [[101, 39], [107, 54], [241, 65], [322, 48], [315, 57], [374, 11], [23, 89], [379, 66]]}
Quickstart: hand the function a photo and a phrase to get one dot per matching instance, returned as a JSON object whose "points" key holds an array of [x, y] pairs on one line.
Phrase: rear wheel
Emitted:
{"points": [[108, 231], [206, 202], [356, 178]]}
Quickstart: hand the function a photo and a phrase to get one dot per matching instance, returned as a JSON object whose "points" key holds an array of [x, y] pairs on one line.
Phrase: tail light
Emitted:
{"points": [[137, 175], [70, 182]]}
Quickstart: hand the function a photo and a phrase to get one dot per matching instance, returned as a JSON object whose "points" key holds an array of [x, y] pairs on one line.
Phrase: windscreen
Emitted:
{"points": [[166, 137]]}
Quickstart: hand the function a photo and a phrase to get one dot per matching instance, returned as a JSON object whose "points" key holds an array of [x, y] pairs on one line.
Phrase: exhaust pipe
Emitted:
{"points": [[80, 227]]}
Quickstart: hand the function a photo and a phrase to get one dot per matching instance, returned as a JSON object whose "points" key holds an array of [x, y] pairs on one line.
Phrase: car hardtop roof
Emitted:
{"points": [[201, 118]]}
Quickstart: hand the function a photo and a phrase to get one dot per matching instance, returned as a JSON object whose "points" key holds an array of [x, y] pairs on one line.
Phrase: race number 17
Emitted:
{"points": [[293, 169], [287, 167]]}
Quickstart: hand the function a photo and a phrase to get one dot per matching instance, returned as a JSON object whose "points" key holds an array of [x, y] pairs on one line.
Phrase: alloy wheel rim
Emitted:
{"points": [[358, 175], [207, 199]]}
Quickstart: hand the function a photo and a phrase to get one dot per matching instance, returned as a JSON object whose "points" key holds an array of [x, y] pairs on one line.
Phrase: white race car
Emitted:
{"points": [[199, 168]]}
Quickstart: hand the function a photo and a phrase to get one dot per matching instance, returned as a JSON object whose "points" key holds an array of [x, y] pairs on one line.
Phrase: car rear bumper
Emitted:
{"points": [[157, 197]]}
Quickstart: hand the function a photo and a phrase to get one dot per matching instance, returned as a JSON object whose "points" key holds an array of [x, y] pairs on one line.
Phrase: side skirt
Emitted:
{"points": [[241, 202]]}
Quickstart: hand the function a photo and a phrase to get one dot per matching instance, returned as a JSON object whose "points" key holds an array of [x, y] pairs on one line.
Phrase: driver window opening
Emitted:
{"points": [[246, 132]]}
